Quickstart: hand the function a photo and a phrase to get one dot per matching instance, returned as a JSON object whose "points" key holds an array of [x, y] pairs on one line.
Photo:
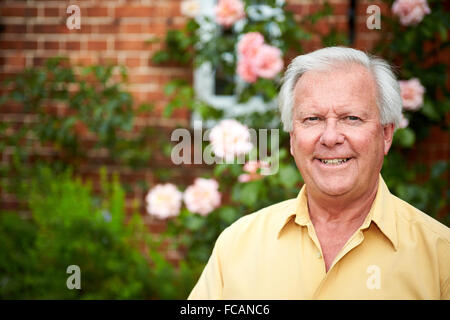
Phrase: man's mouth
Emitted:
{"points": [[336, 161]]}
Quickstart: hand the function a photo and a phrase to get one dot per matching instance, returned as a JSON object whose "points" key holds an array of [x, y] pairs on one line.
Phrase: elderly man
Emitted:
{"points": [[345, 236]]}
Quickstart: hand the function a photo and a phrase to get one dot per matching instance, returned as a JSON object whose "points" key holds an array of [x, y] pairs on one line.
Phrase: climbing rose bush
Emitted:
{"points": [[412, 93], [203, 196], [410, 12], [251, 169], [229, 139], [190, 8], [257, 59], [164, 201], [228, 12]]}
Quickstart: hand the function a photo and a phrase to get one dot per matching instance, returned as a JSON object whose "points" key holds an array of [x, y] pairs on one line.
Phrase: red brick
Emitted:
{"points": [[141, 78], [50, 28], [84, 60], [15, 28], [133, 62], [110, 29], [73, 45], [15, 61], [131, 28], [107, 60], [96, 12], [9, 10], [97, 45], [61, 28], [129, 11], [52, 12], [130, 45], [18, 44], [340, 9], [51, 45]]}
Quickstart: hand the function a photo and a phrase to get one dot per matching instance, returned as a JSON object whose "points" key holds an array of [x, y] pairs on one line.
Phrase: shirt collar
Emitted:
{"points": [[381, 213], [297, 208]]}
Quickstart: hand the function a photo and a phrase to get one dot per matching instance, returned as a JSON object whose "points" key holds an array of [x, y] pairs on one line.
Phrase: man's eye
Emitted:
{"points": [[312, 119], [353, 118]]}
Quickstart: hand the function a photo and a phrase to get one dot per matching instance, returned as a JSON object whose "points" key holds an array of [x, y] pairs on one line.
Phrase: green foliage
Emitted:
{"points": [[71, 226], [67, 105], [92, 99], [415, 51]]}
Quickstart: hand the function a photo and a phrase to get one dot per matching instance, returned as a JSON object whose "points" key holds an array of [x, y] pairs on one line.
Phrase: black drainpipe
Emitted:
{"points": [[351, 22]]}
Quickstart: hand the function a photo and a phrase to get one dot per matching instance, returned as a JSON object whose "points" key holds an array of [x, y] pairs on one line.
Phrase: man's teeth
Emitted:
{"points": [[334, 161]]}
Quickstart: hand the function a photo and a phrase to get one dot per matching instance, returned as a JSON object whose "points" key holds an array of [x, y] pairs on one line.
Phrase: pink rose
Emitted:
{"points": [[412, 93], [190, 8], [203, 196], [246, 70], [268, 62], [244, 178], [228, 12], [251, 167], [404, 122], [164, 201], [256, 59], [410, 12], [229, 139], [249, 44]]}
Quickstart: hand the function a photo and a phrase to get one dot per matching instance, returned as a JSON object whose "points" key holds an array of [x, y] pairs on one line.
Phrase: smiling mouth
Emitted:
{"points": [[336, 161]]}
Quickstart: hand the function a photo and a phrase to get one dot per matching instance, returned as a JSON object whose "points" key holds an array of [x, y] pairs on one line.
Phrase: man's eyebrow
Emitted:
{"points": [[359, 112], [310, 109]]}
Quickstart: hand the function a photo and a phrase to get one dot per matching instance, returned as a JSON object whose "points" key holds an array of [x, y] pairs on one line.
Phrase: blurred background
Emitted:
{"points": [[92, 91]]}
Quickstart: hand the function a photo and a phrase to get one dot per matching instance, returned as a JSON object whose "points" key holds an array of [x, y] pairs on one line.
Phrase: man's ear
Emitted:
{"points": [[388, 133]]}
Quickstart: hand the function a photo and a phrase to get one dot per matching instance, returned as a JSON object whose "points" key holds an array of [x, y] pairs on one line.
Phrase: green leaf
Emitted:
{"points": [[171, 87], [228, 214], [249, 192], [194, 222], [429, 110], [145, 107], [405, 137], [438, 169], [443, 32], [219, 169], [289, 176], [160, 57]]}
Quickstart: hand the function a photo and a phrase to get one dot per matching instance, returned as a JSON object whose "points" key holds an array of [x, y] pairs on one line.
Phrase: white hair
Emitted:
{"points": [[389, 100]]}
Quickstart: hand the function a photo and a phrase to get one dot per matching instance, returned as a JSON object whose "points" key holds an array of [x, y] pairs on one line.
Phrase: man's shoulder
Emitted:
{"points": [[414, 219], [263, 222]]}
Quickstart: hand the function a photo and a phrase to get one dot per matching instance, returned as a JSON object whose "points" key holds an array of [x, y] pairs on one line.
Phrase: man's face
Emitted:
{"points": [[337, 139]]}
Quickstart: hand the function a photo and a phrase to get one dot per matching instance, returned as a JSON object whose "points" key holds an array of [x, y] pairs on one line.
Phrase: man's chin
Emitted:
{"points": [[334, 188]]}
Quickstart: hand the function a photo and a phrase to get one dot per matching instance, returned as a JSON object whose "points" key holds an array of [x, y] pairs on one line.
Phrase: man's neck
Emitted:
{"points": [[340, 210]]}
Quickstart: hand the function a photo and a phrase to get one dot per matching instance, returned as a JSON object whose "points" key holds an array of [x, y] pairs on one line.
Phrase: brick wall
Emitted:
{"points": [[116, 31]]}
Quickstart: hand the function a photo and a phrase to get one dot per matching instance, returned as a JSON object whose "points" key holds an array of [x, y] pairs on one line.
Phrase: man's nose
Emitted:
{"points": [[331, 134]]}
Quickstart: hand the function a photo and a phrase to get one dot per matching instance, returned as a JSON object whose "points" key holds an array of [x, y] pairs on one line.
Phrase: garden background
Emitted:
{"points": [[85, 138]]}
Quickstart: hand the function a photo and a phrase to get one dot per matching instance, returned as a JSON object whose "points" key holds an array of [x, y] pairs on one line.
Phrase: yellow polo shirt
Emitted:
{"points": [[399, 252]]}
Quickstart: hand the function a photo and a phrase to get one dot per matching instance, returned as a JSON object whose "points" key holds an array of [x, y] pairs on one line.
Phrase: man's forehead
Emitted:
{"points": [[347, 73], [341, 86]]}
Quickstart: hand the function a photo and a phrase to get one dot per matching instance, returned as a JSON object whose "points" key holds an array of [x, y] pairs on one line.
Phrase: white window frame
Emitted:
{"points": [[204, 84]]}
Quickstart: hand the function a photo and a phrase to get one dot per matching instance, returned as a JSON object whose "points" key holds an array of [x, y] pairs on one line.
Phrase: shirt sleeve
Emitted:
{"points": [[210, 283]]}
